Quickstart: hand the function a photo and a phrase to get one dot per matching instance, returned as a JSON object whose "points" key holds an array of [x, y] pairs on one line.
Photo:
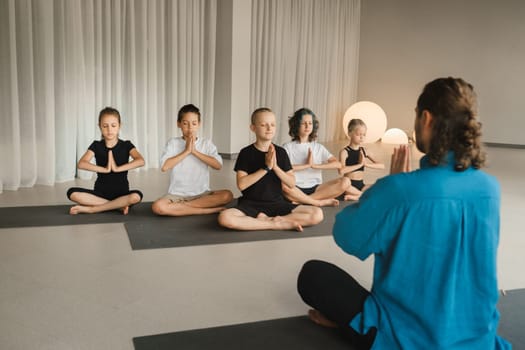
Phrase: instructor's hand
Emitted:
{"points": [[400, 160]]}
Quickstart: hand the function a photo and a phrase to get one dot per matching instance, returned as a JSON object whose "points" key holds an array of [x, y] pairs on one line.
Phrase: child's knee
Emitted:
{"points": [[135, 198], [227, 196], [225, 219], [73, 196], [158, 207], [343, 183], [317, 215]]}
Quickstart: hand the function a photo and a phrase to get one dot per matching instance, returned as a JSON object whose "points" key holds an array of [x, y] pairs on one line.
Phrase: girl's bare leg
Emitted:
{"points": [[323, 196], [208, 204], [352, 194]]}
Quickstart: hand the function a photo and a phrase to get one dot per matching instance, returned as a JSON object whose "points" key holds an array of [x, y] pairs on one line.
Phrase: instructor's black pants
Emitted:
{"points": [[338, 296]]}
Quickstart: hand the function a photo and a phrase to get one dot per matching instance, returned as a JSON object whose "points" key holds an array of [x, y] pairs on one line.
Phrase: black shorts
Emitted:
{"points": [[359, 184], [108, 196], [253, 208], [308, 191]]}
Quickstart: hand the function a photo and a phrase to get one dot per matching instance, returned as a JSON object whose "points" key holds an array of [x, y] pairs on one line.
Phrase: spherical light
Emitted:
{"points": [[395, 136], [371, 114]]}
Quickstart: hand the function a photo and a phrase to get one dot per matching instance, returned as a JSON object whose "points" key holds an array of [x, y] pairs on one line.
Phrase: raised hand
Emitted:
{"points": [[111, 162], [270, 158], [362, 157], [190, 144], [400, 162], [310, 159], [109, 165]]}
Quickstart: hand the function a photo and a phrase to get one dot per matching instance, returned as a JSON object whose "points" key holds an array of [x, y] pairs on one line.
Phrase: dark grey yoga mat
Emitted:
{"points": [[301, 333], [194, 230], [286, 333], [149, 231], [512, 322], [58, 215]]}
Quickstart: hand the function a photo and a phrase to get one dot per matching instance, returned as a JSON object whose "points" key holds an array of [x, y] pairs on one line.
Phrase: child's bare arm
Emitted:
{"points": [[137, 161], [172, 161], [332, 163], [208, 160], [245, 180], [373, 163], [309, 162], [85, 163]]}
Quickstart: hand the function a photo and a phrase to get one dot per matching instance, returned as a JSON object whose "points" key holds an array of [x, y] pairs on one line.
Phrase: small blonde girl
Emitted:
{"points": [[354, 158]]}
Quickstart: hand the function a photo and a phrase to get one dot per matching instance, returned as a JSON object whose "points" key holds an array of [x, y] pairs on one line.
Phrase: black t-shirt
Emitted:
{"points": [[268, 188], [112, 182]]}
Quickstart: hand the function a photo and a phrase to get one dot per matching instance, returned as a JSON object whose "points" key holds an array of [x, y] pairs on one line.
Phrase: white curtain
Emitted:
{"points": [[305, 54], [61, 61]]}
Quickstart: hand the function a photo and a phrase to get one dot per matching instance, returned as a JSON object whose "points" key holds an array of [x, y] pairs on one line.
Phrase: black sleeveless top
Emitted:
{"points": [[353, 157]]}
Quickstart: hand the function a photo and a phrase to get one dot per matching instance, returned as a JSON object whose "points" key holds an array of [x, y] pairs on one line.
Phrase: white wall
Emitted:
{"points": [[232, 76], [406, 43]]}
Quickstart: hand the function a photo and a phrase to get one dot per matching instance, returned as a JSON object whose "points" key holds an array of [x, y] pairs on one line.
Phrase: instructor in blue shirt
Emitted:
{"points": [[434, 235]]}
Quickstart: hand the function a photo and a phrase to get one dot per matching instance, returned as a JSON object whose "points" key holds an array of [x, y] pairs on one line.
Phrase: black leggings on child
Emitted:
{"points": [[336, 295]]}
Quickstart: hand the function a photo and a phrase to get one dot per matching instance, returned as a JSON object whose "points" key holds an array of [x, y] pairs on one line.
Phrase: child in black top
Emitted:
{"points": [[354, 159], [262, 168], [112, 165]]}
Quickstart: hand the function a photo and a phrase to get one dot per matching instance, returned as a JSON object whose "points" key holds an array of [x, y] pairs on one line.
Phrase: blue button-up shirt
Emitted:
{"points": [[434, 235]]}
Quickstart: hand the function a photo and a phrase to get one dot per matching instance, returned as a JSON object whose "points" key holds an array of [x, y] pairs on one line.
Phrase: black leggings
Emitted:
{"points": [[336, 295]]}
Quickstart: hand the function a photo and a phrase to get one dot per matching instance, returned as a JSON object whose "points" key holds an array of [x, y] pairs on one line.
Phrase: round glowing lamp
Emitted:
{"points": [[371, 114], [395, 136]]}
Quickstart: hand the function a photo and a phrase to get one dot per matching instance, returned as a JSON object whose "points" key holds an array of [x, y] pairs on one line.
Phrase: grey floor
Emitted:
{"points": [[82, 287]]}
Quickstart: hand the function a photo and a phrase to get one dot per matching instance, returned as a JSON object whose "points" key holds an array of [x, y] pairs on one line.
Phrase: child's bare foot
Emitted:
{"points": [[319, 318], [282, 224], [330, 202], [125, 210], [78, 209], [351, 197], [263, 216]]}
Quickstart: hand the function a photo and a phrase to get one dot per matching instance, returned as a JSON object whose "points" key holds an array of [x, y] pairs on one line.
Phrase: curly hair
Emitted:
{"points": [[453, 105], [294, 122]]}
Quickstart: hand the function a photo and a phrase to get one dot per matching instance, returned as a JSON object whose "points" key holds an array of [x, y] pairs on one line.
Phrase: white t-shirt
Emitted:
{"points": [[191, 176], [298, 153]]}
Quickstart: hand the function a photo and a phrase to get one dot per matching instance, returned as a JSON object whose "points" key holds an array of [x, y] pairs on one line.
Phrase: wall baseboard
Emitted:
{"points": [[229, 155], [503, 145]]}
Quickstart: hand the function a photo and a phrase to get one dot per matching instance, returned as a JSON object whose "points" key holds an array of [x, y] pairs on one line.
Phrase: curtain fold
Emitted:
{"points": [[305, 54], [62, 61]]}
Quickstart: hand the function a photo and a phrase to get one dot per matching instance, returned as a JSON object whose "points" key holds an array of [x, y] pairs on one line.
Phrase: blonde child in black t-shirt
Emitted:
{"points": [[262, 168]]}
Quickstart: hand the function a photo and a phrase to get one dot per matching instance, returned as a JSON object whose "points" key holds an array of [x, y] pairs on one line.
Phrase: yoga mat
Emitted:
{"points": [[149, 231], [58, 215], [301, 333], [512, 317], [285, 333], [195, 230]]}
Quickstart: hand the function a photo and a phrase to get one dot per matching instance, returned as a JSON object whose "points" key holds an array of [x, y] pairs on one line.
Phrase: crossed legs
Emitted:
{"points": [[207, 204], [336, 298], [324, 194], [302, 215], [89, 203]]}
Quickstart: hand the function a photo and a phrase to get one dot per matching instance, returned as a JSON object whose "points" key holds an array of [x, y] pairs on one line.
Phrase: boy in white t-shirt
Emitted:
{"points": [[188, 157], [309, 158]]}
